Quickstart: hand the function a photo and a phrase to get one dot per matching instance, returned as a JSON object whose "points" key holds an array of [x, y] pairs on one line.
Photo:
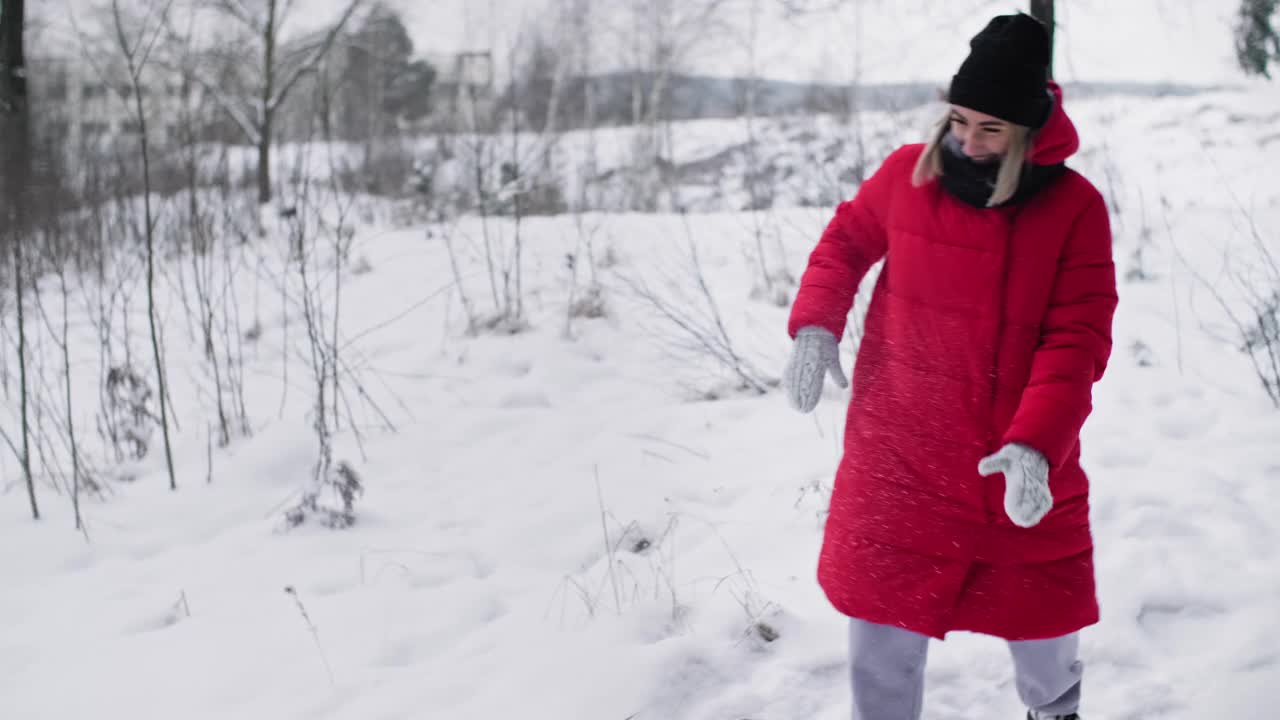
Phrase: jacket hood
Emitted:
{"points": [[1058, 139]]}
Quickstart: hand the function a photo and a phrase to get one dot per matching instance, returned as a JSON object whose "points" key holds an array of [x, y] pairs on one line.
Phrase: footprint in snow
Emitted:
{"points": [[513, 367], [1184, 426], [1180, 625], [1125, 456], [525, 399], [156, 622], [332, 586]]}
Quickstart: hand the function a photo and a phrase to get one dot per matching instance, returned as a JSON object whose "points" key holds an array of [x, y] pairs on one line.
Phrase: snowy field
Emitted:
{"points": [[586, 520]]}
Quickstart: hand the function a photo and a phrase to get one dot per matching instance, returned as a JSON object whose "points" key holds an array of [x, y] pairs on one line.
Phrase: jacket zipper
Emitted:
{"points": [[1006, 263]]}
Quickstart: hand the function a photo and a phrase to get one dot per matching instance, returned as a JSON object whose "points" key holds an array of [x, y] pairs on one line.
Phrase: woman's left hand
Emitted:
{"points": [[1027, 498]]}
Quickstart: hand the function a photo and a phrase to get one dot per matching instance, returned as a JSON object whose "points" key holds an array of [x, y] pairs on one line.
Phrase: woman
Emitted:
{"points": [[960, 503]]}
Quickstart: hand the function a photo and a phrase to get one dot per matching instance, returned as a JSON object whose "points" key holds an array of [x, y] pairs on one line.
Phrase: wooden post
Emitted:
{"points": [[1042, 10]]}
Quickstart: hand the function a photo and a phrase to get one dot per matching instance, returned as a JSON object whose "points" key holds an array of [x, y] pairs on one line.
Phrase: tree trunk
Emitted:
{"points": [[150, 221], [149, 231], [266, 112], [1042, 10], [71, 425], [17, 240], [588, 115], [264, 164], [15, 176]]}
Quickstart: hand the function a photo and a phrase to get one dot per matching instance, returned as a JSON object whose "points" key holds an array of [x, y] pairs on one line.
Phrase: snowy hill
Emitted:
{"points": [[593, 518], [590, 520]]}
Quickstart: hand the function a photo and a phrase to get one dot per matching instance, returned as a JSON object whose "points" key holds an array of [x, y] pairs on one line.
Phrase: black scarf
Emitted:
{"points": [[972, 182]]}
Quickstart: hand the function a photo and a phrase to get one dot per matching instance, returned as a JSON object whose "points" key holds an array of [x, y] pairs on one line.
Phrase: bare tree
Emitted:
{"points": [[278, 72], [584, 30], [662, 34], [136, 50], [15, 177], [322, 211], [52, 250], [209, 238], [481, 149], [233, 331], [106, 279], [759, 177], [57, 249], [591, 302], [515, 184], [499, 185]]}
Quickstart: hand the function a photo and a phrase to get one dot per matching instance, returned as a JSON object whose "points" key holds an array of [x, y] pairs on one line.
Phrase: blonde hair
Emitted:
{"points": [[929, 166]]}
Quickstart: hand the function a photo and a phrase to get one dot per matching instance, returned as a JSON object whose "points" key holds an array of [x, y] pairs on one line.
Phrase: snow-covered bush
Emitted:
{"points": [[1262, 342], [129, 423], [330, 500]]}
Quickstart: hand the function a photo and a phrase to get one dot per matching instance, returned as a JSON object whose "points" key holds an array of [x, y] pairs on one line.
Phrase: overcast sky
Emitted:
{"points": [[1096, 37]]}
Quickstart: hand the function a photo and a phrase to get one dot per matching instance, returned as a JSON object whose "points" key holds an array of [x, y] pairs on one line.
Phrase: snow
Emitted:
{"points": [[569, 526]]}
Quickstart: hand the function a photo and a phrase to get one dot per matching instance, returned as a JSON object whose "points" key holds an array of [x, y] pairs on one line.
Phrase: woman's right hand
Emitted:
{"points": [[814, 354]]}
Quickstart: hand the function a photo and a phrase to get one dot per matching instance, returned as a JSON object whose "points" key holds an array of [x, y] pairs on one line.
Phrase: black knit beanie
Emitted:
{"points": [[1007, 71]]}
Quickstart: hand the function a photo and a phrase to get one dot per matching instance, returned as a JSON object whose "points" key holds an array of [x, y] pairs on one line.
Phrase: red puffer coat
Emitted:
{"points": [[986, 326]]}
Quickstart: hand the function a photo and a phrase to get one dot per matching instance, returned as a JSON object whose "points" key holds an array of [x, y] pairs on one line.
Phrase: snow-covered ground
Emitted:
{"points": [[597, 524]]}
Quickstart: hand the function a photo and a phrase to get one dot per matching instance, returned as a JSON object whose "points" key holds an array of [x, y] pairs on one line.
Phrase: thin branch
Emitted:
{"points": [[237, 10], [316, 56], [231, 108], [155, 36]]}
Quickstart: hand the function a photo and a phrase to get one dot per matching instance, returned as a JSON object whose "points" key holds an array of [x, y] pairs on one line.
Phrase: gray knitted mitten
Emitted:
{"points": [[1026, 482], [814, 354]]}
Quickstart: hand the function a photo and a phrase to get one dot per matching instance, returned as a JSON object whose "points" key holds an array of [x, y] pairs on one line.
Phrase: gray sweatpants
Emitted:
{"points": [[887, 672]]}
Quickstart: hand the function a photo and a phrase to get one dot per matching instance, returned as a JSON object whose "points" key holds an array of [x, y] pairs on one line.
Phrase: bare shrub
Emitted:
{"points": [[692, 326], [330, 501]]}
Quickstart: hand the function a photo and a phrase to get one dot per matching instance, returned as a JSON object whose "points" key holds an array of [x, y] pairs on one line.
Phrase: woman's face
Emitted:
{"points": [[983, 138]]}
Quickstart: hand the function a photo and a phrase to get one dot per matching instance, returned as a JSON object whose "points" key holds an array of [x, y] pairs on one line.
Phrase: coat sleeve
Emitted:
{"points": [[853, 241], [1075, 341]]}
